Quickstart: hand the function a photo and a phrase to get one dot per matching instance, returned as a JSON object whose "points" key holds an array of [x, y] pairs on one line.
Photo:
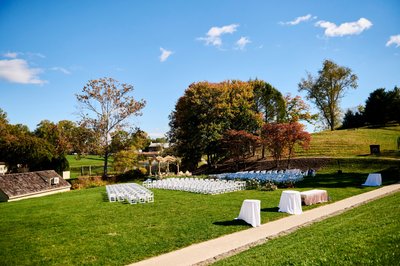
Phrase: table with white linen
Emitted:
{"points": [[250, 212], [290, 202], [314, 196], [373, 180]]}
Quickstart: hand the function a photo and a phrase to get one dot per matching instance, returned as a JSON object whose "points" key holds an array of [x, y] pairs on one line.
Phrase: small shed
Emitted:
{"points": [[31, 184], [3, 168]]}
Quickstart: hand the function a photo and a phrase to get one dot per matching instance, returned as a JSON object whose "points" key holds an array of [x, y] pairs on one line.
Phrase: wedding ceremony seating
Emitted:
{"points": [[130, 192], [196, 185], [274, 176], [373, 180]]}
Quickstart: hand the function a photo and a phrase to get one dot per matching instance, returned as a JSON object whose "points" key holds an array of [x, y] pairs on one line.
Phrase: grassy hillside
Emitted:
{"points": [[354, 142]]}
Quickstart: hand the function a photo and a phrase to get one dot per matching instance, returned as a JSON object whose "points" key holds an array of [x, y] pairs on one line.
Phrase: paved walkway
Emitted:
{"points": [[212, 250]]}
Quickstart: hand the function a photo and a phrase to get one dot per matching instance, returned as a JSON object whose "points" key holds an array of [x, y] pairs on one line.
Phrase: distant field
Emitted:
{"points": [[94, 160], [344, 143], [81, 167]]}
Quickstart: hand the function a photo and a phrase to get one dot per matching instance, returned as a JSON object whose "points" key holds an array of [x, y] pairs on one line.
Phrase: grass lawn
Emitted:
{"points": [[82, 227], [367, 235], [93, 160], [354, 142], [96, 163]]}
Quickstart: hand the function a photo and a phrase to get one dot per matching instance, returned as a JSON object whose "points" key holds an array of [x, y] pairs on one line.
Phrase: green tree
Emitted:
{"points": [[125, 160], [84, 141], [197, 123], [383, 106], [327, 89], [204, 113], [297, 110], [269, 101], [106, 106]]}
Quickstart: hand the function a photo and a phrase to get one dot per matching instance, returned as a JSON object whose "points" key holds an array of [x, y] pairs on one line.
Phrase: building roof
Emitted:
{"points": [[158, 144], [21, 185]]}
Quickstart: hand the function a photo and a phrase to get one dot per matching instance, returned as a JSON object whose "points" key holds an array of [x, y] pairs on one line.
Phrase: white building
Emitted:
{"points": [[3, 168]]}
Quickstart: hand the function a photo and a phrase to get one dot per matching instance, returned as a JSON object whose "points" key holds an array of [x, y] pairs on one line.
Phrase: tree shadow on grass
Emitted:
{"points": [[104, 196], [333, 181], [235, 222], [273, 209], [348, 179]]}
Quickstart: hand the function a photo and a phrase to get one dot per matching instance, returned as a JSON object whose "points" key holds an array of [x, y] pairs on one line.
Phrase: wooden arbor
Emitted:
{"points": [[167, 159]]}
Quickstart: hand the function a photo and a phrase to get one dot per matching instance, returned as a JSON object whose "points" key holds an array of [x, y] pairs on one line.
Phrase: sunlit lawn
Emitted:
{"points": [[367, 235], [82, 227], [354, 142]]}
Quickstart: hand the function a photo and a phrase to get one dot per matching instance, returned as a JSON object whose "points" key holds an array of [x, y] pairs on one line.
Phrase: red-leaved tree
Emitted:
{"points": [[273, 136], [239, 144], [295, 134], [282, 138]]}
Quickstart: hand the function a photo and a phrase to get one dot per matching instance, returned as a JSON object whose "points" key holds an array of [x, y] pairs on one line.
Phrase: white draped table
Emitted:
{"points": [[373, 180], [290, 202], [250, 212], [314, 196]]}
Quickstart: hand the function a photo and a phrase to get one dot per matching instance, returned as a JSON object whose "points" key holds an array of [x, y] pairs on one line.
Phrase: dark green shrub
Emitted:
{"points": [[135, 174]]}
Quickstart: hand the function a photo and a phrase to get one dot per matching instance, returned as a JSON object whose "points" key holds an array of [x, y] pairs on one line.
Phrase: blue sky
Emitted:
{"points": [[50, 49]]}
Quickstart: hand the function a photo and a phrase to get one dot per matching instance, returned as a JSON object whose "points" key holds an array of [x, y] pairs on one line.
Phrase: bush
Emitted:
{"points": [[88, 182], [135, 174], [269, 187]]}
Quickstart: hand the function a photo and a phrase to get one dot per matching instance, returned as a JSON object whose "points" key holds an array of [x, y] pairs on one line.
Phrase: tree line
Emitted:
{"points": [[46, 147], [230, 119], [105, 106], [381, 107]]}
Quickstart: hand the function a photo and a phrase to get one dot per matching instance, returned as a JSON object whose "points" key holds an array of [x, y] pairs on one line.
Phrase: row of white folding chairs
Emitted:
{"points": [[131, 192], [293, 175], [205, 186]]}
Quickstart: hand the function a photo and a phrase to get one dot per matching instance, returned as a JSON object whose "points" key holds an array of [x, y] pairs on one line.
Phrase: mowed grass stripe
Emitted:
{"points": [[353, 142]]}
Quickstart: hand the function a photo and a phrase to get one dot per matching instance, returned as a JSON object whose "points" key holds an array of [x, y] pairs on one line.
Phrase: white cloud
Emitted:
{"points": [[30, 54], [242, 42], [214, 34], [165, 54], [18, 71], [11, 54], [298, 20], [61, 69], [395, 39], [347, 28]]}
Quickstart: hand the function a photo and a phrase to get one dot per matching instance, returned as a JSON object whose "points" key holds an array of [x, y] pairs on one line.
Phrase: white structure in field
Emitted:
{"points": [[3, 168]]}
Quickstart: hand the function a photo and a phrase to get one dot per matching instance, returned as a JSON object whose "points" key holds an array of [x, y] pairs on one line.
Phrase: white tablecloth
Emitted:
{"points": [[290, 202], [250, 212], [373, 180], [314, 196]]}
